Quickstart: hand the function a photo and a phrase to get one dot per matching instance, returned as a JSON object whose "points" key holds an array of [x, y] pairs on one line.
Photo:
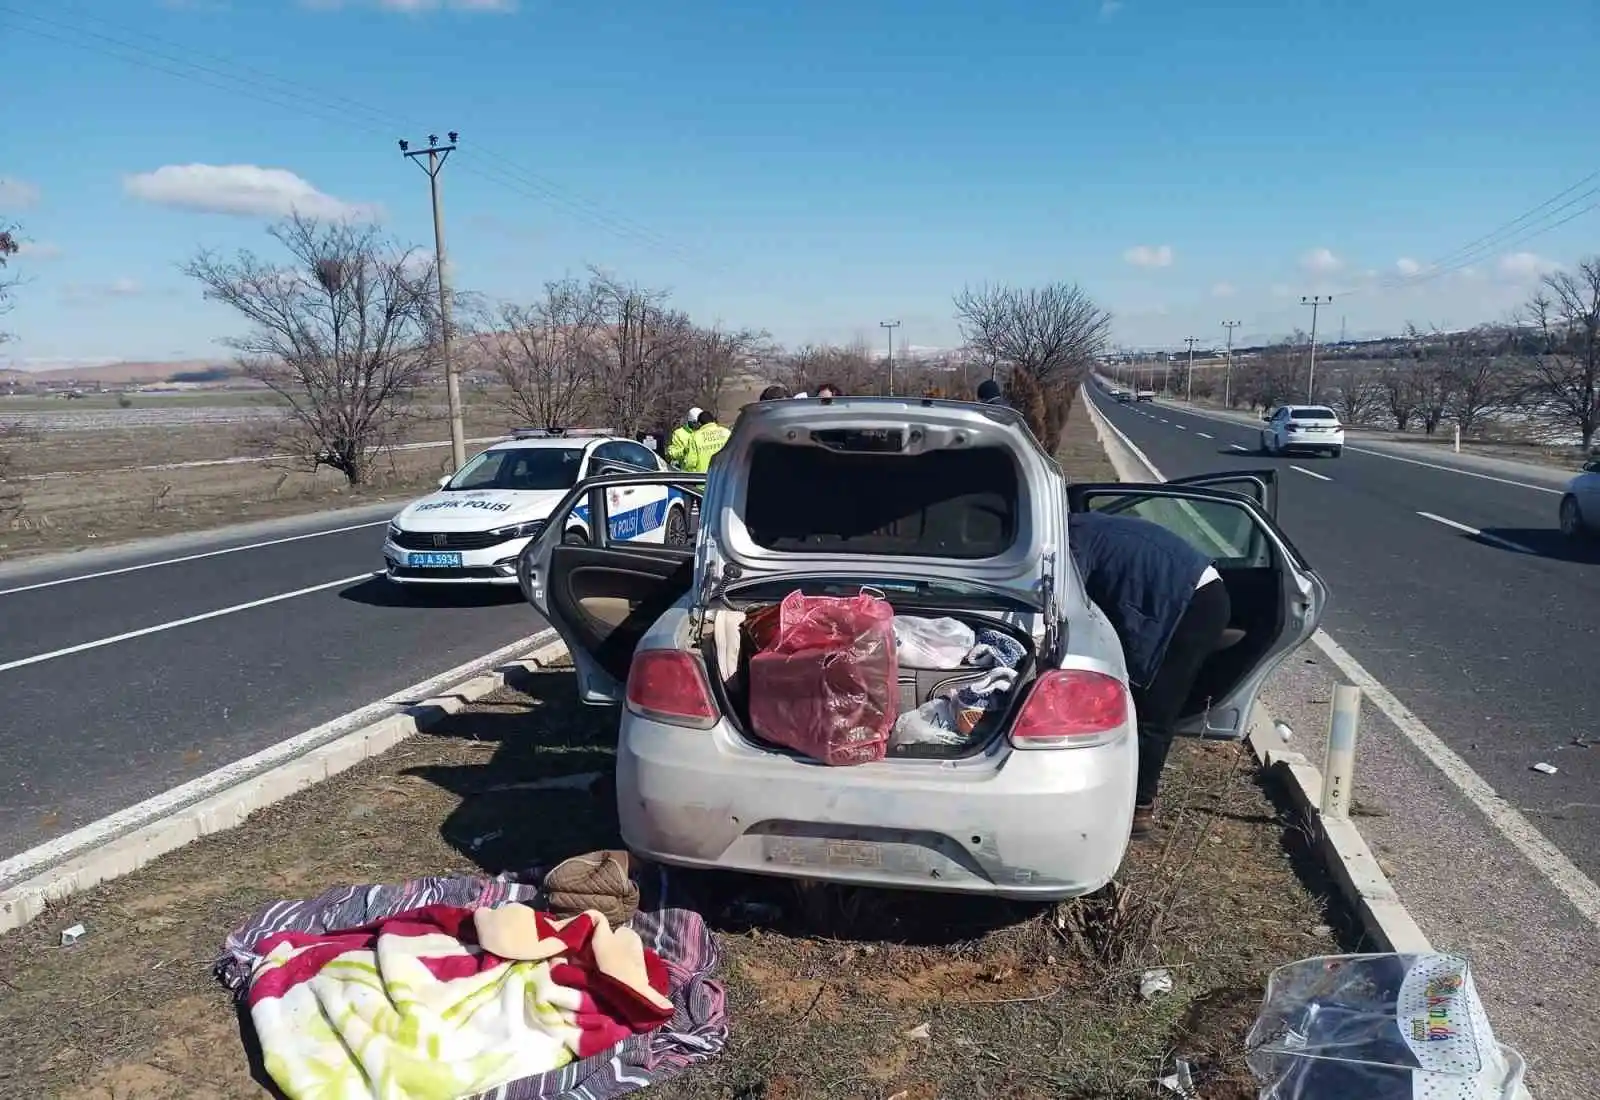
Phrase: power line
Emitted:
{"points": [[294, 97]]}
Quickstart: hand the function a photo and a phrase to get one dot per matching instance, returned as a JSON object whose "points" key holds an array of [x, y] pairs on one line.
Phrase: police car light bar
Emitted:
{"points": [[560, 433]]}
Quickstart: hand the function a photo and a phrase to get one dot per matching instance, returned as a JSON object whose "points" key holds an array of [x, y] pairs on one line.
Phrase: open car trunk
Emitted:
{"points": [[987, 654]]}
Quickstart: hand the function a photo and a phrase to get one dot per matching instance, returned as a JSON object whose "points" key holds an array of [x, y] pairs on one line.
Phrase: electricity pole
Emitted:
{"points": [[437, 154], [1189, 384], [890, 326], [1227, 382], [1315, 301]]}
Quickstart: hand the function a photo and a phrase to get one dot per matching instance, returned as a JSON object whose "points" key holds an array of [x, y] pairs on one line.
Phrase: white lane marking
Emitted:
{"points": [[82, 647], [1540, 853], [1456, 470], [1237, 447], [188, 557], [125, 821], [1163, 420], [1506, 544], [1534, 845], [1311, 473], [1180, 427], [1203, 435]]}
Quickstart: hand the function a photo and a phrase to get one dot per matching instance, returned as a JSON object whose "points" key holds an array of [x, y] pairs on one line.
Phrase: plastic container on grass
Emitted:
{"points": [[1406, 1027]]}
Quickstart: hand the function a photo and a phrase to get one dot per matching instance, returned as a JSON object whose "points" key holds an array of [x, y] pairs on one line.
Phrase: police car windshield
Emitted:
{"points": [[520, 468]]}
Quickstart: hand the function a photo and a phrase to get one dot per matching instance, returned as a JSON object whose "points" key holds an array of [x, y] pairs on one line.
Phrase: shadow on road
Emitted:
{"points": [[1544, 542], [380, 592]]}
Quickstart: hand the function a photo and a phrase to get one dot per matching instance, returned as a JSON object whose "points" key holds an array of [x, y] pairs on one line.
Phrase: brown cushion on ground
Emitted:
{"points": [[598, 881]]}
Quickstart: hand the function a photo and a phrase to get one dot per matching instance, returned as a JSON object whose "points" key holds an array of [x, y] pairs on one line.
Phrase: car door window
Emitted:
{"points": [[1221, 529], [637, 455], [1260, 486]]}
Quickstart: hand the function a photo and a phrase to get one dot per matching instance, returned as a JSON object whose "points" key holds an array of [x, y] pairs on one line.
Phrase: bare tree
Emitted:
{"points": [[711, 358], [1052, 334], [1564, 375], [1398, 382], [9, 247], [1357, 396], [850, 367], [345, 334], [1270, 378], [546, 354], [1479, 382], [644, 341]]}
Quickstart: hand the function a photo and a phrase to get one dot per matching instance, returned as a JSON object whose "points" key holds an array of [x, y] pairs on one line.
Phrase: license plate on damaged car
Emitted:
{"points": [[434, 561], [823, 852]]}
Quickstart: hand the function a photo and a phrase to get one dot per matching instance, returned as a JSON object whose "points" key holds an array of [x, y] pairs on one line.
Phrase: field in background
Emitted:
{"points": [[86, 471]]}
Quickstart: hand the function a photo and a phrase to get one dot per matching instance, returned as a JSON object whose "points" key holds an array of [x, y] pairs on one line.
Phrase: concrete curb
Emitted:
{"points": [[1361, 882], [230, 806]]}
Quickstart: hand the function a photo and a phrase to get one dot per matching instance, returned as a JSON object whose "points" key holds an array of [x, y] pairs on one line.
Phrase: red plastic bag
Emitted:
{"points": [[827, 684]]}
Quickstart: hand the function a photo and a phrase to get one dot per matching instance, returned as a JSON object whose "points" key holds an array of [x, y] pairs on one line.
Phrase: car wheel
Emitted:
{"points": [[575, 538], [677, 533], [1571, 518], [1335, 452]]}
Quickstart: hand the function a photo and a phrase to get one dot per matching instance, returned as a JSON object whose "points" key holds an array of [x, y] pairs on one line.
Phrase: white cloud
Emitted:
{"points": [[90, 293], [1223, 290], [1320, 261], [17, 194], [1109, 9], [38, 250], [1405, 265], [1144, 255], [1525, 265], [242, 189]]}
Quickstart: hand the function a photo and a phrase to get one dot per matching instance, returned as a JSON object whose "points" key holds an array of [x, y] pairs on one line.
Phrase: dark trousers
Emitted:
{"points": [[1160, 705]]}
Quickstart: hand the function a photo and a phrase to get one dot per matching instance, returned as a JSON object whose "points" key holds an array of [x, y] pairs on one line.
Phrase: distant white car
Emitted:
{"points": [[1291, 428], [1580, 503], [476, 526]]}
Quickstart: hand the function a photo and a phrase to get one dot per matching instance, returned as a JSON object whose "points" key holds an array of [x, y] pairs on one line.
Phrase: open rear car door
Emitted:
{"points": [[1260, 486], [1277, 598], [602, 595]]}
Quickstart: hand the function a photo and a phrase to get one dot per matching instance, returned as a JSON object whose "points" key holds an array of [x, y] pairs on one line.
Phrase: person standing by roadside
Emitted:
{"points": [[774, 392], [989, 393], [709, 438], [828, 389], [1169, 607], [680, 446]]}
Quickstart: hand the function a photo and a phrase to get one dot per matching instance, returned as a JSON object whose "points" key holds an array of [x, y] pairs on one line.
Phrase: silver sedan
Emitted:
{"points": [[950, 511]]}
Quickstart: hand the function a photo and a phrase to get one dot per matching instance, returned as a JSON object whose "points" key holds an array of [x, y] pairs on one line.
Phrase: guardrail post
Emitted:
{"points": [[1339, 764], [1458, 439]]}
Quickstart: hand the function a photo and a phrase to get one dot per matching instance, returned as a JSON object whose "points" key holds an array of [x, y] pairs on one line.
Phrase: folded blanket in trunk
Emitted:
{"points": [[573, 1013]]}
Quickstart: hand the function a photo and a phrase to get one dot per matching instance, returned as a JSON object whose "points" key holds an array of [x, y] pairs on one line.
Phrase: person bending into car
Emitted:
{"points": [[1169, 608]]}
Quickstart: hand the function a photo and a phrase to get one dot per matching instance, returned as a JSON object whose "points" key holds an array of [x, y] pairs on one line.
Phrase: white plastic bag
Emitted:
{"points": [[932, 643], [932, 723]]}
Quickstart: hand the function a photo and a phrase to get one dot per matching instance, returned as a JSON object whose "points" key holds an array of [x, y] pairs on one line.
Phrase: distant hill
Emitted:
{"points": [[128, 372]]}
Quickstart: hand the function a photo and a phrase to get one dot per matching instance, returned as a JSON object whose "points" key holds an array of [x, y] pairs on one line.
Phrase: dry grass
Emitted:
{"points": [[827, 987]]}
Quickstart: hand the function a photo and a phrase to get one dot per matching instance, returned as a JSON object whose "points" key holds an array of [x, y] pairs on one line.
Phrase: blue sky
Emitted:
{"points": [[810, 168]]}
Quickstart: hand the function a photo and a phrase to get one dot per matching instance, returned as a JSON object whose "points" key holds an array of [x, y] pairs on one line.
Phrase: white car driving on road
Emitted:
{"points": [[1303, 428], [474, 528]]}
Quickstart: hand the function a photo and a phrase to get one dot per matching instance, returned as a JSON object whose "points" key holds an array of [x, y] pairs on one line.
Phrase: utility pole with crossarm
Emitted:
{"points": [[437, 154], [1315, 301], [1227, 378], [1189, 382]]}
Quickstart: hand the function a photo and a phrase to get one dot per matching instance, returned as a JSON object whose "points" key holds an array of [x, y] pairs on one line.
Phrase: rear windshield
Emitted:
{"points": [[944, 504], [1313, 412]]}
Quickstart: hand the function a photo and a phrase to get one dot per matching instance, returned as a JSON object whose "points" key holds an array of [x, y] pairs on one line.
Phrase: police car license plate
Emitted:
{"points": [[434, 561]]}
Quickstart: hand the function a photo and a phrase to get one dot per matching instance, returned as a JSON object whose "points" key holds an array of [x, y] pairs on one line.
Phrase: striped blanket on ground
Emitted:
{"points": [[698, 1029]]}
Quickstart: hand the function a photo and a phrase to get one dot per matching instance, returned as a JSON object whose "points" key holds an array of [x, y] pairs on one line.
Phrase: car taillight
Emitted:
{"points": [[1294, 427], [668, 685], [1071, 707]]}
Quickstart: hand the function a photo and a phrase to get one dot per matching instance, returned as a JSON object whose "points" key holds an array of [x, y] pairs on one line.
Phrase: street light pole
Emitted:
{"points": [[890, 326], [1315, 301], [1227, 380], [437, 154]]}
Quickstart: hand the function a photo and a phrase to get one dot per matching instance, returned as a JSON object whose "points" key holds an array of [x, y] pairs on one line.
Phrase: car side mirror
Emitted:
{"points": [[443, 481]]}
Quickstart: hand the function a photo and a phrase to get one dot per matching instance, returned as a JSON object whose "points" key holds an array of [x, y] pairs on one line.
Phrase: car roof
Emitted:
{"points": [[566, 442]]}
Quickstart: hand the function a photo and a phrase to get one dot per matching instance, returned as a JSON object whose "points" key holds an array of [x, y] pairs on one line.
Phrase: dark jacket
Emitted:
{"points": [[1142, 576]]}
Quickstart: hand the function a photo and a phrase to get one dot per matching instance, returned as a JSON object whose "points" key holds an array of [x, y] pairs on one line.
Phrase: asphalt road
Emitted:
{"points": [[1489, 638], [118, 687]]}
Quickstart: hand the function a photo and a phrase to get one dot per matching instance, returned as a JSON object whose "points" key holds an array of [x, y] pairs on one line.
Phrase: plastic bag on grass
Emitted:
{"points": [[825, 681], [1375, 1027]]}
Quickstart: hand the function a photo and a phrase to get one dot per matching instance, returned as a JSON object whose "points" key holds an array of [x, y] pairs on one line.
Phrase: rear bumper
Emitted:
{"points": [[1302, 441], [1040, 824]]}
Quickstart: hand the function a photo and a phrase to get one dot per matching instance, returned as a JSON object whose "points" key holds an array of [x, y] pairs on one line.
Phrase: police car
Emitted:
{"points": [[473, 529]]}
